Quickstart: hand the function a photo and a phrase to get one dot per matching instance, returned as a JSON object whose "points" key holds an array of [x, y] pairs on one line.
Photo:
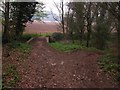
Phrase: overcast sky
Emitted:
{"points": [[49, 5]]}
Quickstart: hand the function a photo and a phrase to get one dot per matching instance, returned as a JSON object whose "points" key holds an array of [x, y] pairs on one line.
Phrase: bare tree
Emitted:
{"points": [[91, 10], [60, 9]]}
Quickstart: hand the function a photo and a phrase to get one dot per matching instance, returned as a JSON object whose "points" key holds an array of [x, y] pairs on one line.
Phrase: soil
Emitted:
{"points": [[40, 27], [49, 68]]}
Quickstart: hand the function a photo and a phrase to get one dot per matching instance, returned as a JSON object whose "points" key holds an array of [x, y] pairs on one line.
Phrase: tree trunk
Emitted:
{"points": [[118, 39], [118, 32], [6, 24], [88, 34], [82, 34], [89, 24], [63, 18]]}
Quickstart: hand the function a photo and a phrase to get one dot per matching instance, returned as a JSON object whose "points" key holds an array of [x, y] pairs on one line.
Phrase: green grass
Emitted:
{"points": [[109, 63], [65, 47], [12, 75], [68, 47], [22, 47], [46, 34]]}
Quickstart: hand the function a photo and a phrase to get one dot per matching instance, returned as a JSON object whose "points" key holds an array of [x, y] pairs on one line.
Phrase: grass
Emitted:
{"points": [[22, 47], [46, 34], [65, 47], [11, 77], [109, 63], [68, 47]]}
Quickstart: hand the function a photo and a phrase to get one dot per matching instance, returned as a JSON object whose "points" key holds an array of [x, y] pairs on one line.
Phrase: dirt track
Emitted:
{"points": [[49, 68]]}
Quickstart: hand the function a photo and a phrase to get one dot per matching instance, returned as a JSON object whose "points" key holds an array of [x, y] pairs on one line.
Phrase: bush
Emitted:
{"points": [[101, 36], [26, 37], [10, 77], [110, 64], [56, 37], [23, 47]]}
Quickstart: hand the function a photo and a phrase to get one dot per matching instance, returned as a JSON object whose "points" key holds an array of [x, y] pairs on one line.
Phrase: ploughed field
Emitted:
{"points": [[42, 27]]}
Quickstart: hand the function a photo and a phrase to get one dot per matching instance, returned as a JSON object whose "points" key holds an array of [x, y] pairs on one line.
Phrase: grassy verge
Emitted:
{"points": [[18, 52], [109, 63], [68, 47], [11, 77], [22, 47], [65, 47], [46, 34]]}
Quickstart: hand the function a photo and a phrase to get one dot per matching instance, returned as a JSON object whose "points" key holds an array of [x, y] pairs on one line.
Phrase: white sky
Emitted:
{"points": [[49, 5]]}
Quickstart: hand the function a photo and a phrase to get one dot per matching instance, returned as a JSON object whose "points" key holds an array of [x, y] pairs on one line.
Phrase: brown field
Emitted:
{"points": [[40, 27]]}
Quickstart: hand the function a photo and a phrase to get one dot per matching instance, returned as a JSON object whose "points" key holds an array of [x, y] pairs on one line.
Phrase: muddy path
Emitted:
{"points": [[48, 68]]}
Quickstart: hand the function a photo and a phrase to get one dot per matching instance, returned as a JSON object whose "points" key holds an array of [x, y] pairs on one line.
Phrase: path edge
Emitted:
{"points": [[30, 40]]}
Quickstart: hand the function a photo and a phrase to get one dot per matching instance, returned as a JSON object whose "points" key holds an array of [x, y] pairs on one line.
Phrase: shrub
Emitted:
{"points": [[56, 37], [10, 77], [23, 47], [101, 36], [26, 37], [109, 63]]}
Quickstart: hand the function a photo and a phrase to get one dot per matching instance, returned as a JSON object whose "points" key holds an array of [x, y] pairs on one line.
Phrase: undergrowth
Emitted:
{"points": [[10, 77], [64, 47], [109, 63], [68, 47], [22, 47]]}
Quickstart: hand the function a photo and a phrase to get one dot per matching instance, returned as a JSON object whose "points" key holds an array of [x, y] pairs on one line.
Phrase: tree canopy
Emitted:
{"points": [[16, 15]]}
